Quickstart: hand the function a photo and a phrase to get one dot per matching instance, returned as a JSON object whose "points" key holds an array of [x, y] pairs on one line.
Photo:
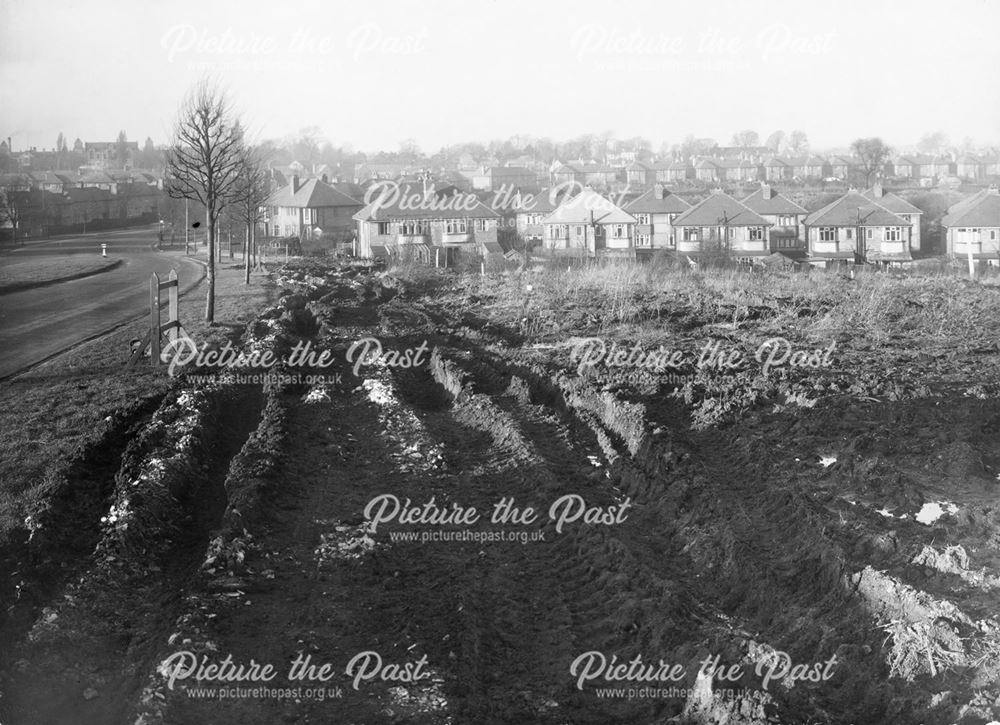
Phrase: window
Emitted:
{"points": [[383, 228], [869, 233], [414, 227], [690, 234], [756, 234], [642, 240], [558, 231], [619, 231], [905, 217], [579, 231], [277, 230], [786, 221], [993, 235], [456, 226], [849, 234], [731, 232], [893, 234], [482, 225], [642, 218], [827, 234]]}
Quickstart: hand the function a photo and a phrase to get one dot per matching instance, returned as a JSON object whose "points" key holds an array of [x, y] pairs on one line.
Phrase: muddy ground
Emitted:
{"points": [[844, 514]]}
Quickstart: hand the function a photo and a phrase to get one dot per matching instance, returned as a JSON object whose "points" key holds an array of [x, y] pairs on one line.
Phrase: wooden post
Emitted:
{"points": [[286, 252], [154, 320], [172, 307]]}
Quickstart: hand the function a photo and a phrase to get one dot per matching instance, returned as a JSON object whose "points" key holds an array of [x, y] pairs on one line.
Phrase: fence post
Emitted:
{"points": [[154, 319], [172, 305]]}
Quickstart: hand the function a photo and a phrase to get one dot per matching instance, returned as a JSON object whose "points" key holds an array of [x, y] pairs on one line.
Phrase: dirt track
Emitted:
{"points": [[733, 541]]}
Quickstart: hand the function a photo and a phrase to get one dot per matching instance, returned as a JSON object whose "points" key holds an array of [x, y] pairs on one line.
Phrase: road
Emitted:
{"points": [[38, 323]]}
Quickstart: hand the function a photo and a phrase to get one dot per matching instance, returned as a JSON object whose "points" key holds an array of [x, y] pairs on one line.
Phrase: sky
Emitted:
{"points": [[446, 71]]}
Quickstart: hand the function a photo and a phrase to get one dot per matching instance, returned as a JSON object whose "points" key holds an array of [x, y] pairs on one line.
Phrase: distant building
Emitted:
{"points": [[786, 218], [973, 226], [721, 224], [855, 228], [101, 154], [425, 225], [654, 214], [315, 212]]}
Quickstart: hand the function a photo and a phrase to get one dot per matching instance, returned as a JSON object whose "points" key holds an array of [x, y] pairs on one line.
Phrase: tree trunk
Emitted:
{"points": [[210, 299], [246, 257]]}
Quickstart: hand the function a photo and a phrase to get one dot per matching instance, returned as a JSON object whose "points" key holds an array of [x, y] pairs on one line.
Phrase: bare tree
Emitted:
{"points": [[204, 162], [249, 196], [121, 149], [775, 141], [10, 212], [746, 139], [798, 142], [873, 153]]}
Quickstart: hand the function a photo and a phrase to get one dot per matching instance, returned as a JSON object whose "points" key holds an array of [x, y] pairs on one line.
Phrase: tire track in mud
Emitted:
{"points": [[85, 657]]}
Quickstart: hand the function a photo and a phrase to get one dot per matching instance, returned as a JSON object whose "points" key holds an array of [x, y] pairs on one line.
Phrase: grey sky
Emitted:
{"points": [[372, 74]]}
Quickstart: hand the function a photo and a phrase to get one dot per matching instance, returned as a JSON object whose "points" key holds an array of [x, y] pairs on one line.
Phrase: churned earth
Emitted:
{"points": [[826, 532]]}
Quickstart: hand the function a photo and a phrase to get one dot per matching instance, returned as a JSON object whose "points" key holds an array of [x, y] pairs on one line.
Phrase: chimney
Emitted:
{"points": [[658, 191], [877, 191], [766, 192], [295, 183]]}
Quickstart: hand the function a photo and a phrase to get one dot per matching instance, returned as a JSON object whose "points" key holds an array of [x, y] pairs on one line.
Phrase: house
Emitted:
{"points": [[654, 213], [567, 173], [901, 208], [671, 172], [639, 175], [530, 210], [417, 222], [312, 211], [102, 154], [842, 167], [708, 171], [720, 223], [973, 226], [856, 229], [600, 175], [98, 180], [906, 167], [970, 167], [588, 225], [785, 216], [496, 178], [816, 167], [777, 169]]}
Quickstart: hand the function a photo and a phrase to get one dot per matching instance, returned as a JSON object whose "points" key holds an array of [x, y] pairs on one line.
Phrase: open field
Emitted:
{"points": [[16, 274], [769, 462]]}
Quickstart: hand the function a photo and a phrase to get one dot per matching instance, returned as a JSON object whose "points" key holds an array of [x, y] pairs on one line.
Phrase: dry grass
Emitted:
{"points": [[48, 413], [31, 271]]}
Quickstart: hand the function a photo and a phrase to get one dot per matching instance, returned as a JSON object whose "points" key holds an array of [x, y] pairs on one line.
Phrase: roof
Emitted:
{"points": [[310, 195], [717, 209], [853, 209], [777, 204], [647, 203], [413, 202], [895, 204], [544, 202], [589, 207], [982, 210], [510, 171], [775, 161]]}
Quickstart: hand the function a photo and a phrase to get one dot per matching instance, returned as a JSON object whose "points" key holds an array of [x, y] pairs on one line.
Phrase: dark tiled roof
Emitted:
{"points": [[648, 204], [777, 204], [719, 209], [853, 209], [312, 194], [981, 211]]}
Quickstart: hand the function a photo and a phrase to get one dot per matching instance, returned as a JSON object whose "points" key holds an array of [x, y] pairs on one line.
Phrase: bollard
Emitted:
{"points": [[104, 250]]}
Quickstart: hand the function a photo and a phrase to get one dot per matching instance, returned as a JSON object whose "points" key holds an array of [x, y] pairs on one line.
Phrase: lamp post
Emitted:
{"points": [[186, 250]]}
